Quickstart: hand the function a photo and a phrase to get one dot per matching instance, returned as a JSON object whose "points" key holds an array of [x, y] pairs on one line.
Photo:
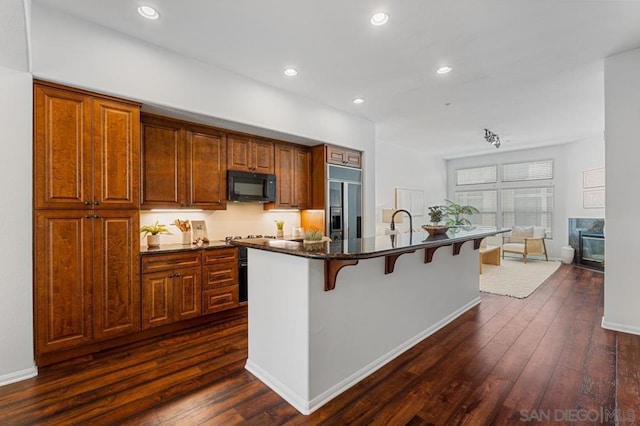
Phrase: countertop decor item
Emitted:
{"points": [[185, 227], [152, 232], [279, 228], [436, 214]]}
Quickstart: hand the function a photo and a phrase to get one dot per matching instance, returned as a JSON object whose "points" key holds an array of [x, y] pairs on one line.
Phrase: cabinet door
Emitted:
{"points": [[187, 293], [162, 163], [239, 152], [284, 176], [116, 280], [157, 299], [262, 153], [343, 157], [62, 149], [302, 178], [206, 169], [63, 297], [116, 139]]}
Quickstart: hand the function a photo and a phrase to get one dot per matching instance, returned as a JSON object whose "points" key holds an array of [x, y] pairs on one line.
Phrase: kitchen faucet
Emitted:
{"points": [[393, 224]]}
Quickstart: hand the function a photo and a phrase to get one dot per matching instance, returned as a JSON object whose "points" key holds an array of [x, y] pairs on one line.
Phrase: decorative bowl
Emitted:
{"points": [[435, 229]]}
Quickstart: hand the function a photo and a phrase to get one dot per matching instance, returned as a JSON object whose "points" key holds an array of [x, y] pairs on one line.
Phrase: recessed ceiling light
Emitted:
{"points": [[148, 12], [358, 101], [379, 18], [444, 69], [290, 72]]}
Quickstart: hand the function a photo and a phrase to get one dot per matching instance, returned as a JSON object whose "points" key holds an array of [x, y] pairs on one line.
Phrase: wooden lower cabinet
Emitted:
{"points": [[181, 286], [220, 280], [171, 288], [86, 279], [171, 296]]}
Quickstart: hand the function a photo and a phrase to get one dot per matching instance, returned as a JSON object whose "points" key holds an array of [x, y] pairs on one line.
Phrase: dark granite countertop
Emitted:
{"points": [[176, 248], [364, 248]]}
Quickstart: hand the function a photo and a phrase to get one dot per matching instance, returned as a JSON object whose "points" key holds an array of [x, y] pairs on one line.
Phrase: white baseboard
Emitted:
{"points": [[309, 406], [624, 328], [18, 375]]}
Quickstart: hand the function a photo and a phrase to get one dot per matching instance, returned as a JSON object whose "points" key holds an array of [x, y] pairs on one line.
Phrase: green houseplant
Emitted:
{"points": [[436, 214], [152, 232], [455, 213]]}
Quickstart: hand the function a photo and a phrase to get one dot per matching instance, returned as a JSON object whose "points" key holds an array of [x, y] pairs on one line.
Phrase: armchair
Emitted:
{"points": [[525, 241]]}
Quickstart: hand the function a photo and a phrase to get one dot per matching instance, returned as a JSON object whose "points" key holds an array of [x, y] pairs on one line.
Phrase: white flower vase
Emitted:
{"points": [[153, 240], [280, 233]]}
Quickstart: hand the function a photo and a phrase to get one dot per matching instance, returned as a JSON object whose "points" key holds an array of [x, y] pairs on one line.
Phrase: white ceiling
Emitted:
{"points": [[529, 70]]}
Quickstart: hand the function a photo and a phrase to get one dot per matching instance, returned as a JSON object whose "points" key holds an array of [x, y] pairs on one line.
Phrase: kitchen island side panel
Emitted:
{"points": [[309, 345], [279, 322], [370, 318]]}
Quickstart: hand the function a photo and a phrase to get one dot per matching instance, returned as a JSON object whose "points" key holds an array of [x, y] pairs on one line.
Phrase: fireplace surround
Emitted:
{"points": [[586, 236]]}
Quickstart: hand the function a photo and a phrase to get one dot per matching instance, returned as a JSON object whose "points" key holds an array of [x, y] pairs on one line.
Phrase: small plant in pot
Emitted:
{"points": [[456, 212], [436, 214], [152, 232]]}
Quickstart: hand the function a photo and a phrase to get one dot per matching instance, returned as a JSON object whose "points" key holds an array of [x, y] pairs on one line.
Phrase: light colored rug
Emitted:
{"points": [[516, 278]]}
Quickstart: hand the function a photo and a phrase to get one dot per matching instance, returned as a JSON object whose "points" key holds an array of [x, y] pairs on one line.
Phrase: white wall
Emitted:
{"points": [[622, 250], [78, 53], [570, 160], [398, 166], [16, 327]]}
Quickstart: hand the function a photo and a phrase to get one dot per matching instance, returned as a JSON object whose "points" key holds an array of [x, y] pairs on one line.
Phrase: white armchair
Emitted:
{"points": [[525, 241]]}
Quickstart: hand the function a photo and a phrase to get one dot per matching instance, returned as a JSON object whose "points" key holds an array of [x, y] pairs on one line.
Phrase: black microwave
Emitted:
{"points": [[251, 187]]}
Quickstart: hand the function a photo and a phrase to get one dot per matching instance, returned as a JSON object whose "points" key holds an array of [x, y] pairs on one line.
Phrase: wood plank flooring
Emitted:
{"points": [[506, 361]]}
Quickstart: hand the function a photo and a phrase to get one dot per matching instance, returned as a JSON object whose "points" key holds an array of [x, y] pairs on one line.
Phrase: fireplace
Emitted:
{"points": [[586, 236], [591, 253]]}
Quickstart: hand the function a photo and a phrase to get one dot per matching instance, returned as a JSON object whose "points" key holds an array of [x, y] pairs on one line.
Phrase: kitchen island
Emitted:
{"points": [[324, 316]]}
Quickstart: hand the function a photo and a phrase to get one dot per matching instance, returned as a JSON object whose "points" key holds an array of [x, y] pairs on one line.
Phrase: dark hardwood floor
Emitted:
{"points": [[507, 361]]}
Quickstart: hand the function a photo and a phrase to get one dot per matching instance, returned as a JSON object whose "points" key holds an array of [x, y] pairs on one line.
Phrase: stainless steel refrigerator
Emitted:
{"points": [[344, 202]]}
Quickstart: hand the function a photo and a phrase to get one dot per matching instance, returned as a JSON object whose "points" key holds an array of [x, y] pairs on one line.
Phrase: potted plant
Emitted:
{"points": [[152, 232], [314, 240], [279, 228], [436, 214], [455, 213]]}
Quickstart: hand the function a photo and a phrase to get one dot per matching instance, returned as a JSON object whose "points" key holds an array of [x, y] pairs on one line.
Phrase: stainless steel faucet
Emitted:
{"points": [[393, 224]]}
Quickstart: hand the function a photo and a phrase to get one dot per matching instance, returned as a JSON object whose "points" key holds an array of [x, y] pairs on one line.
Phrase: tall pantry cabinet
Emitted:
{"points": [[86, 218]]}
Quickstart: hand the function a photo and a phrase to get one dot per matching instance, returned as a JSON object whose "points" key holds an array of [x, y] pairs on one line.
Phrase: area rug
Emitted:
{"points": [[515, 278]]}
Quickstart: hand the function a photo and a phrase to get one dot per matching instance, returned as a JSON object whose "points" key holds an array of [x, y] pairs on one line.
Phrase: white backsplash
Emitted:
{"points": [[239, 219]]}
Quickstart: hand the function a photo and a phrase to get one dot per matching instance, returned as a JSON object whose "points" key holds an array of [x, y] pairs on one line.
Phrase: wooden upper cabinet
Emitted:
{"points": [[302, 177], [293, 177], [162, 162], [183, 165], [86, 150], [116, 129], [206, 168], [62, 149], [250, 154], [343, 156]]}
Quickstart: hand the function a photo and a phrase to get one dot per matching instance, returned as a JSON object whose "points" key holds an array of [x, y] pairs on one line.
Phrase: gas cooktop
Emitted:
{"points": [[248, 237]]}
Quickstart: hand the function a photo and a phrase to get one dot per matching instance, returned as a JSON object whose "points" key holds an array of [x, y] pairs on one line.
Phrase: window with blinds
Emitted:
{"points": [[517, 197], [528, 207], [485, 201], [476, 175], [533, 170]]}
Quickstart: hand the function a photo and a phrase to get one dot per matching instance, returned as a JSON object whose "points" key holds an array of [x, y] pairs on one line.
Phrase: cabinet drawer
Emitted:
{"points": [[222, 275], [166, 262], [219, 299], [227, 255]]}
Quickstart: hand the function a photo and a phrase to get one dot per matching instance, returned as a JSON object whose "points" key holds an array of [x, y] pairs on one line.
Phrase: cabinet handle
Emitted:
{"points": [[87, 216], [96, 216], [171, 275], [87, 203], [97, 203], [176, 275]]}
